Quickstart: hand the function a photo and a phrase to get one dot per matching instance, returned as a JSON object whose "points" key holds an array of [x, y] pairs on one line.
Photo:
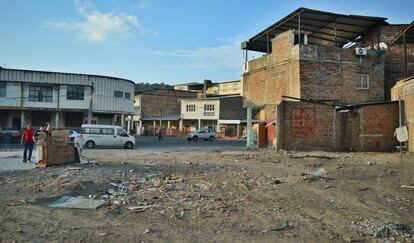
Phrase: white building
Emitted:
{"points": [[66, 100]]}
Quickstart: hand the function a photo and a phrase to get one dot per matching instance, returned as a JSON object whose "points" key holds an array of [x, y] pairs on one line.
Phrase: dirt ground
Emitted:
{"points": [[212, 196]]}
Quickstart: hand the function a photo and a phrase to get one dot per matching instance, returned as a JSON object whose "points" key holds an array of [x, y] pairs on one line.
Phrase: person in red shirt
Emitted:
{"points": [[27, 139]]}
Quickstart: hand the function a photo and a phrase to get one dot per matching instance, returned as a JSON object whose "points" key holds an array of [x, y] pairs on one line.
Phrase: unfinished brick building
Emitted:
{"points": [[334, 59]]}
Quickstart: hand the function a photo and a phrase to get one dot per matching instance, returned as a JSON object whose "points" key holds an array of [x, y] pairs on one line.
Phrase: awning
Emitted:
{"points": [[323, 28]]}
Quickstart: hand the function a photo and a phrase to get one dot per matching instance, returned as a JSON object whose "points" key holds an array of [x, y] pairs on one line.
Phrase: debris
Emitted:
{"points": [[284, 225], [77, 202], [141, 208], [147, 231], [385, 229], [370, 163], [326, 187], [74, 168], [319, 175]]}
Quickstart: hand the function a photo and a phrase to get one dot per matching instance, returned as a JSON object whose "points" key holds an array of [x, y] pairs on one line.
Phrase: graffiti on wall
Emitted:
{"points": [[303, 123]]}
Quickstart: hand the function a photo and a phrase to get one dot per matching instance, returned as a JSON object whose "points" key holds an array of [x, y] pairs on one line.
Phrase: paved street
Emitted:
{"points": [[169, 143], [11, 153], [179, 143]]}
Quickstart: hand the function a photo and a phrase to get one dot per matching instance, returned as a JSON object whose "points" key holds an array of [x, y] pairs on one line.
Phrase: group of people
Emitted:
{"points": [[32, 137]]}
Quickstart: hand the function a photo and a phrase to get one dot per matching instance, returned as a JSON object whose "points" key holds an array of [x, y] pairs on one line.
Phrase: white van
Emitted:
{"points": [[106, 135]]}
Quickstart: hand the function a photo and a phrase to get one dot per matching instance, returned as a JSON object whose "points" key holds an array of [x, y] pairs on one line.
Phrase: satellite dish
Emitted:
{"points": [[383, 46]]}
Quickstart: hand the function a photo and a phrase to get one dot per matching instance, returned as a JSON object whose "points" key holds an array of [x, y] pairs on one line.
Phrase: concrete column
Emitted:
{"points": [[123, 120], [57, 120], [154, 128], [169, 127], [22, 120], [238, 130], [113, 120], [250, 141], [129, 126], [181, 125], [199, 123], [139, 129]]}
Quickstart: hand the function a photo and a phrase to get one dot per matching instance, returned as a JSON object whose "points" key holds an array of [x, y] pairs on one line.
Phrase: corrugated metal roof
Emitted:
{"points": [[324, 28]]}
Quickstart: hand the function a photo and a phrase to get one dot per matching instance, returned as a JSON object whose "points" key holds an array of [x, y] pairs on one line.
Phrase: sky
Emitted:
{"points": [[170, 41]]}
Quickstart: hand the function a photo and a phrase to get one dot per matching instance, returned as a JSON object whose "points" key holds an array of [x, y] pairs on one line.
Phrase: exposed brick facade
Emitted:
{"points": [[307, 126]]}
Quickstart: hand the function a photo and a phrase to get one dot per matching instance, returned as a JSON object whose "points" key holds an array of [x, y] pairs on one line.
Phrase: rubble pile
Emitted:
{"points": [[384, 230]]}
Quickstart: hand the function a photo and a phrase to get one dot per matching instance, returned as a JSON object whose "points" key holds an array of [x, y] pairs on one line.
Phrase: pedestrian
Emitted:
{"points": [[40, 138], [27, 139], [160, 138]]}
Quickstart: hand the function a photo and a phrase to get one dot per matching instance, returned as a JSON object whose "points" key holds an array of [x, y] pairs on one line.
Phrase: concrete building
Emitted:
{"points": [[66, 100], [224, 114], [157, 108], [309, 58]]}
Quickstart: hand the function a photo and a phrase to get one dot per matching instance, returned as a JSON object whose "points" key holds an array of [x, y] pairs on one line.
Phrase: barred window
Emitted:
{"points": [[75, 92], [40, 93], [363, 81], [190, 108], [209, 107], [127, 95]]}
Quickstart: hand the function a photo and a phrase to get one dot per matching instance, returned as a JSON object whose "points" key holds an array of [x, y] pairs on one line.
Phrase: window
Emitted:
{"points": [[190, 108], [127, 95], [75, 92], [363, 81], [122, 133], [109, 131], [41, 93], [209, 107], [118, 94], [3, 90], [91, 130]]}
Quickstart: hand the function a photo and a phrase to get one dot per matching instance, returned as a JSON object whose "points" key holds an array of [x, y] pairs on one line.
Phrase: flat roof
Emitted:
{"points": [[324, 28], [39, 71]]}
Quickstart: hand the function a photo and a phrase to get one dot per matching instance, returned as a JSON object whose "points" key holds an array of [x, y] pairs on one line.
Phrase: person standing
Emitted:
{"points": [[40, 138], [160, 138], [27, 139]]}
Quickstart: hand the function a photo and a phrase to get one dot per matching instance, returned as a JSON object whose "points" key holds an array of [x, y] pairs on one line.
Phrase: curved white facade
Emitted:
{"points": [[100, 99]]}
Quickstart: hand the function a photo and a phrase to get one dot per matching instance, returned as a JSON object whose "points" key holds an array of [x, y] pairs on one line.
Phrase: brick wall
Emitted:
{"points": [[274, 74], [333, 73], [306, 126], [379, 123], [368, 128], [394, 56]]}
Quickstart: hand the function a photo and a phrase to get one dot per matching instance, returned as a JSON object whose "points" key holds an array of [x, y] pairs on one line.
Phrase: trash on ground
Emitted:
{"points": [[77, 202]]}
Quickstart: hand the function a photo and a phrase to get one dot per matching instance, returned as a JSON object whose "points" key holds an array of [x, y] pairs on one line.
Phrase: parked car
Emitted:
{"points": [[204, 133], [106, 135], [8, 135]]}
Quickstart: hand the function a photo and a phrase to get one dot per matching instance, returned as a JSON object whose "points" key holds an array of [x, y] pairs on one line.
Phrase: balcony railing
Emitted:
{"points": [[209, 113]]}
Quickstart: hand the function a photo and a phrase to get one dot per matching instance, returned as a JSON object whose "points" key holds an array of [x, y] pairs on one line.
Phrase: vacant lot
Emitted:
{"points": [[212, 195]]}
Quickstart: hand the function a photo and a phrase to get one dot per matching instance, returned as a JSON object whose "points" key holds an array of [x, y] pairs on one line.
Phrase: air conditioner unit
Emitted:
{"points": [[359, 51]]}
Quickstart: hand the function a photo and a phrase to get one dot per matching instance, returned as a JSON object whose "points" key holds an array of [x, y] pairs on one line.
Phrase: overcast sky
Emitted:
{"points": [[171, 41]]}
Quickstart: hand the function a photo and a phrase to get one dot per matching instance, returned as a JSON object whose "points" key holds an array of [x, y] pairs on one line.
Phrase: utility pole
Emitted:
{"points": [[250, 141]]}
